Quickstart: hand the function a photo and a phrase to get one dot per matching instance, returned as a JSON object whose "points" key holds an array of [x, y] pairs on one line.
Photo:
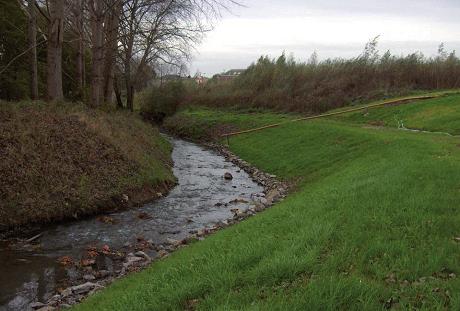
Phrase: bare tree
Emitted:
{"points": [[76, 24], [111, 46], [32, 40], [116, 87], [154, 30], [131, 21], [54, 50], [96, 9], [77, 8], [126, 38]]}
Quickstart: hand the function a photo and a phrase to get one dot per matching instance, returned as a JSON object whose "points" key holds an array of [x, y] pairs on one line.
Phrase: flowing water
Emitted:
{"points": [[201, 198]]}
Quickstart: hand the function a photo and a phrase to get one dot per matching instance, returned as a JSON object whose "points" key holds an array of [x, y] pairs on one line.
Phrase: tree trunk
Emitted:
{"points": [[97, 40], [129, 84], [33, 50], [130, 97], [128, 57], [80, 61], [54, 50], [117, 93], [112, 24]]}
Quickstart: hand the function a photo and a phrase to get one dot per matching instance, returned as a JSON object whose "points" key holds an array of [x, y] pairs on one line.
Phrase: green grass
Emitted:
{"points": [[204, 123], [441, 114], [370, 226]]}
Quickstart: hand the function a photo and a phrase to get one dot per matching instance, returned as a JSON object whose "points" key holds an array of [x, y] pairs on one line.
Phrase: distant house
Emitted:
{"points": [[200, 80], [230, 75]]}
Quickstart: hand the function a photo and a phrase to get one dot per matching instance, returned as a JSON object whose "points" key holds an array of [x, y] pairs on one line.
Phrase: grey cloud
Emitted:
{"points": [[442, 13], [444, 10]]}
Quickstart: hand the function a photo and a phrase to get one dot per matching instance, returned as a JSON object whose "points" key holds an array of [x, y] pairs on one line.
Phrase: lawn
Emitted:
{"points": [[440, 114], [371, 226]]}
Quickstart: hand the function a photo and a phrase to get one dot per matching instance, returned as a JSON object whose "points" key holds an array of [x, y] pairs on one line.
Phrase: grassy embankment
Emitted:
{"points": [[436, 115], [64, 160], [371, 226]]}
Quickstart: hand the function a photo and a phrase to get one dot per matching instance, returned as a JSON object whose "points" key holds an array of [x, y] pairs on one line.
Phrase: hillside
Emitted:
{"points": [[373, 224], [67, 161], [436, 115]]}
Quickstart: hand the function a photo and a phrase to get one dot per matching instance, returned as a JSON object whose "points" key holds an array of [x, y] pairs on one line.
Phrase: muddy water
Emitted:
{"points": [[201, 199]]}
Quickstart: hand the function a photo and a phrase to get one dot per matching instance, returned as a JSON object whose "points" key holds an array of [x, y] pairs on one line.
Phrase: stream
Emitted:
{"points": [[201, 199]]}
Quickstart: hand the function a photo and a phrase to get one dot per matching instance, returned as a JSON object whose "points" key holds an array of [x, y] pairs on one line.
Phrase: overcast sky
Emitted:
{"points": [[332, 28]]}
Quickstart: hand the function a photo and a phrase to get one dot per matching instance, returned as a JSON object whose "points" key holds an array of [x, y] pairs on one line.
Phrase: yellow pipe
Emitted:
{"points": [[387, 102]]}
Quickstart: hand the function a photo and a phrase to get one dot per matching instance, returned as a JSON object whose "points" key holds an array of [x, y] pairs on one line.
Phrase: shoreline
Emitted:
{"points": [[129, 199], [134, 258]]}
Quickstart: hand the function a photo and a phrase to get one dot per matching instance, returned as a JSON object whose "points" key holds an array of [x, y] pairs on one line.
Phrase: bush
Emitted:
{"points": [[158, 102], [314, 87]]}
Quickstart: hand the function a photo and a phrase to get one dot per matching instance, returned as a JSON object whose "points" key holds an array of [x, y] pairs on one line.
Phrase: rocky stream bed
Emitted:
{"points": [[65, 263]]}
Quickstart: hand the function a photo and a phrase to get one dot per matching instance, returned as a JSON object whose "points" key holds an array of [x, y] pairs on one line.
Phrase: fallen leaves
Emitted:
{"points": [[65, 260], [106, 220], [106, 250], [92, 252], [87, 262]]}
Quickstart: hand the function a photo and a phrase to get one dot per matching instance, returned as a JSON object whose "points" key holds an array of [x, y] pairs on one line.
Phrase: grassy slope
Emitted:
{"points": [[371, 225], [59, 161], [432, 115], [204, 123]]}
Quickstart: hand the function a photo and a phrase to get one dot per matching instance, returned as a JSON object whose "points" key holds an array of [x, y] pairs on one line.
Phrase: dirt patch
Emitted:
{"points": [[55, 166]]}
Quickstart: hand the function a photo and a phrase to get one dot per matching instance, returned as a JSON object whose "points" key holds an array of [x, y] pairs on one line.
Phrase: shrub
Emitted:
{"points": [[158, 102], [314, 87]]}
